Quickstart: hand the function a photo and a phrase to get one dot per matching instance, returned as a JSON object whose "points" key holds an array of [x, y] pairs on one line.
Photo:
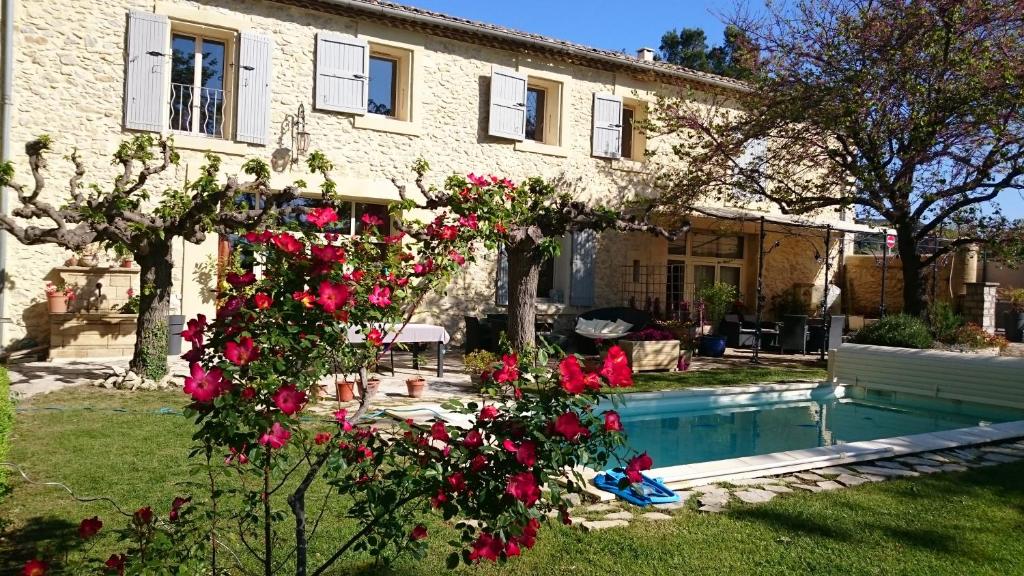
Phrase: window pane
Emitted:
{"points": [[546, 280], [677, 247], [183, 73], [627, 132], [211, 103], [703, 275], [712, 246], [383, 80], [535, 114], [730, 275]]}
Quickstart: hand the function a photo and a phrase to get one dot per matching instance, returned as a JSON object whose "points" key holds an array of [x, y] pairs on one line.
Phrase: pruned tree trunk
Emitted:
{"points": [[913, 282], [524, 262], [149, 359]]}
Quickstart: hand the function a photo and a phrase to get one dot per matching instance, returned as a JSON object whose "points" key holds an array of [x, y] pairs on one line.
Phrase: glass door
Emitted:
{"points": [[675, 287]]}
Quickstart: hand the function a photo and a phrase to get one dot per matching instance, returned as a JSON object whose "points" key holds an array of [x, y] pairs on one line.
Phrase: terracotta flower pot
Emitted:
{"points": [[346, 391], [58, 303], [126, 263], [416, 386], [372, 386]]}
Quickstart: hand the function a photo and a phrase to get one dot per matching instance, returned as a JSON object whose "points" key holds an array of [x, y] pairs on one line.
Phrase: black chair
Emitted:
{"points": [[793, 333], [477, 335], [835, 335]]}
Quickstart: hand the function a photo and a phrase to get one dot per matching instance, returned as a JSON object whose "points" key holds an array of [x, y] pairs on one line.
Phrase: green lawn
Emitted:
{"points": [[121, 445], [733, 376]]}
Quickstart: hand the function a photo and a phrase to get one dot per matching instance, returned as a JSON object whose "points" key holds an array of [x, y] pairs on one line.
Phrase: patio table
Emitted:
{"points": [[411, 334]]}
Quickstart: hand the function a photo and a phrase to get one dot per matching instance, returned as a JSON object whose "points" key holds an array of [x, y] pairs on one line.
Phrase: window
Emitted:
{"points": [[535, 114], [628, 113], [543, 111], [200, 98], [383, 86], [390, 80], [714, 246]]}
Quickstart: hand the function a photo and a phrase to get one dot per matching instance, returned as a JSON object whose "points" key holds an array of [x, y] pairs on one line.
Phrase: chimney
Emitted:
{"points": [[645, 54]]}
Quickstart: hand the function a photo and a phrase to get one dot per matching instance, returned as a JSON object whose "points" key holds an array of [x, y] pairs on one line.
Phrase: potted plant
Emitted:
{"points": [[345, 389], [372, 386], [717, 299], [57, 297], [1015, 320], [415, 386], [122, 254], [88, 257], [653, 348], [478, 363]]}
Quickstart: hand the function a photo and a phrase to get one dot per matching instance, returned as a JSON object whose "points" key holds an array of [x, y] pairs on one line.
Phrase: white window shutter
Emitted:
{"points": [[607, 126], [342, 73], [508, 104], [254, 73], [584, 254], [145, 73]]}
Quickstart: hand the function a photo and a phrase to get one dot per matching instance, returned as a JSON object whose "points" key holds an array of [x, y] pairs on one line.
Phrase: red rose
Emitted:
{"points": [[321, 217], [304, 297], [438, 500], [340, 418], [371, 220], [34, 567], [511, 549], [526, 454], [328, 254], [381, 296], [419, 532], [287, 243], [375, 337], [523, 487], [457, 482], [248, 393], [193, 331], [289, 399], [262, 301], [568, 425], [612, 423], [473, 439], [204, 386], [438, 432], [89, 527], [478, 463], [276, 437], [143, 516], [332, 296], [240, 280], [486, 546], [241, 353], [616, 368], [176, 505], [509, 371], [571, 375], [636, 465], [322, 438], [115, 564], [488, 412]]}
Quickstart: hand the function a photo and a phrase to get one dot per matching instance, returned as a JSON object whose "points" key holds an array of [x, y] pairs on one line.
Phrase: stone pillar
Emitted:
{"points": [[968, 257], [980, 304]]}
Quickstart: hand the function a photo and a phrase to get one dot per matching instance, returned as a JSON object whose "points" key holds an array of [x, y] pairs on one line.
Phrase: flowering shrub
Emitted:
{"points": [[651, 334], [974, 337], [324, 305]]}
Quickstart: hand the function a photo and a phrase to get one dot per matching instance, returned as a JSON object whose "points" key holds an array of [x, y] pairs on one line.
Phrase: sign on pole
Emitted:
{"points": [[890, 241]]}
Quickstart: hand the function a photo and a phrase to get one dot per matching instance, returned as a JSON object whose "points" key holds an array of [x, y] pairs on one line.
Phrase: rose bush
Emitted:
{"points": [[326, 304]]}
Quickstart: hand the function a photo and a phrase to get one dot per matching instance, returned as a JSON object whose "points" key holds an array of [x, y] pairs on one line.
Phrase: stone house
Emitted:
{"points": [[375, 85]]}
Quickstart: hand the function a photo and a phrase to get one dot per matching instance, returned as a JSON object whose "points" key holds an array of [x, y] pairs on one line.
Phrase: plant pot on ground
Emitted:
{"points": [[372, 387], [716, 300], [58, 296], [345, 390], [416, 386]]}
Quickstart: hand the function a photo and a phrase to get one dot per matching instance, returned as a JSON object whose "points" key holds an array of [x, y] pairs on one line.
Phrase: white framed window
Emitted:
{"points": [[201, 98], [543, 111], [390, 82]]}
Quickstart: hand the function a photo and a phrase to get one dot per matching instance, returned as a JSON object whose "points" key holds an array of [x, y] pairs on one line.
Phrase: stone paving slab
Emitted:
{"points": [[655, 516], [851, 480], [623, 515], [755, 496], [885, 471], [779, 488], [833, 471], [829, 485], [592, 525], [1001, 458], [808, 487], [808, 477]]}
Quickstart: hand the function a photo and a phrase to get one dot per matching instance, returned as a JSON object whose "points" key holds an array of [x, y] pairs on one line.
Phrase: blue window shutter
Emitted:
{"points": [[584, 253], [501, 280], [146, 71], [342, 73], [254, 73]]}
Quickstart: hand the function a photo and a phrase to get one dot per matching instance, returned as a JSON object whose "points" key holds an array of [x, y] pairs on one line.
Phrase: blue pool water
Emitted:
{"points": [[688, 429]]}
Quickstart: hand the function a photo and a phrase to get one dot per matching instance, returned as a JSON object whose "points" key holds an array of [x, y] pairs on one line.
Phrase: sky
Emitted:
{"points": [[604, 24]]}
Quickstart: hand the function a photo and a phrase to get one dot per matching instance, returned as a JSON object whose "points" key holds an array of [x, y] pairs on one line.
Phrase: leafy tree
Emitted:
{"points": [[688, 47], [904, 110], [125, 215], [527, 221]]}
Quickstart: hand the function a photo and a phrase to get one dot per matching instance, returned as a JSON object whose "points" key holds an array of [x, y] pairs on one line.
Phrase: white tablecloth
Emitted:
{"points": [[411, 333]]}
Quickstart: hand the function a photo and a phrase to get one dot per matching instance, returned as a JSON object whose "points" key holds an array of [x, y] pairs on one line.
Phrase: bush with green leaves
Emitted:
{"points": [[944, 321], [897, 331]]}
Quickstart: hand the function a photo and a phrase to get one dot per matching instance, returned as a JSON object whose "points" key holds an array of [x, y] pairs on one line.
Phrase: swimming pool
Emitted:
{"points": [[688, 427]]}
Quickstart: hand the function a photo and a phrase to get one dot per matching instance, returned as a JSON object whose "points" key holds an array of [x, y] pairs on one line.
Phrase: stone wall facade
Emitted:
{"points": [[69, 82], [980, 304]]}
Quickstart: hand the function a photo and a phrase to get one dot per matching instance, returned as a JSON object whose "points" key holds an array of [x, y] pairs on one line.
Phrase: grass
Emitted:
{"points": [[120, 444], [733, 376]]}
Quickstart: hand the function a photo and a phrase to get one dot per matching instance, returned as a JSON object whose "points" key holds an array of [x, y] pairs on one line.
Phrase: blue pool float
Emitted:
{"points": [[648, 491]]}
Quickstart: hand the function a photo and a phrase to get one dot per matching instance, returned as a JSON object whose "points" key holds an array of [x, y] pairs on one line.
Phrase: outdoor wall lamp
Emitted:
{"points": [[300, 137]]}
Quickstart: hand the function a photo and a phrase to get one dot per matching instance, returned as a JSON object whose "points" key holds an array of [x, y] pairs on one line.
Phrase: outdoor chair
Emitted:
{"points": [[638, 320], [793, 334], [835, 335], [478, 336]]}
